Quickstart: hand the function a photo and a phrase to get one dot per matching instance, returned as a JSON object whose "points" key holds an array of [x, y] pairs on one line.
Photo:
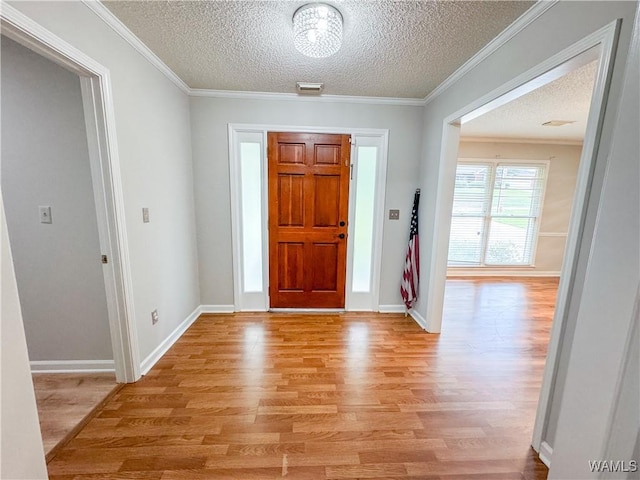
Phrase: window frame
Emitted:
{"points": [[493, 164]]}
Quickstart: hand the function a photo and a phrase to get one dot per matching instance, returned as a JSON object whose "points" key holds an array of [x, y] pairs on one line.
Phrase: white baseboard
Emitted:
{"points": [[545, 454], [217, 309], [392, 308], [72, 366], [470, 272], [161, 349], [420, 320]]}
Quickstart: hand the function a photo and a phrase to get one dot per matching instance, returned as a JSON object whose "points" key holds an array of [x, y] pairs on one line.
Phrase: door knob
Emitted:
{"points": [[342, 224], [341, 235]]}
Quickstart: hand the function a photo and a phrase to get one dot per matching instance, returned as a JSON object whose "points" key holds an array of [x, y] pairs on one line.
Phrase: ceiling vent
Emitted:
{"points": [[309, 88], [557, 123]]}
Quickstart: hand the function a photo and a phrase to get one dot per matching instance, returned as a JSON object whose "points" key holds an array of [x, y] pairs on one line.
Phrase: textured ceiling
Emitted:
{"points": [[567, 98], [390, 49]]}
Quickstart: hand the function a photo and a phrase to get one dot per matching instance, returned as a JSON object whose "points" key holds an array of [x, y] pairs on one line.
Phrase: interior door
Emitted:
{"points": [[308, 211]]}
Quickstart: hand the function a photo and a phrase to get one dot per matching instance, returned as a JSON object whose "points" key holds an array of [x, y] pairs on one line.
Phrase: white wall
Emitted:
{"points": [[209, 119], [604, 288], [558, 198], [154, 146], [21, 450], [45, 161], [587, 427]]}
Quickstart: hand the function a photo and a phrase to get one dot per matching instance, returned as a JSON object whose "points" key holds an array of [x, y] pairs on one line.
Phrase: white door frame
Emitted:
{"points": [[352, 302], [106, 179], [582, 52]]}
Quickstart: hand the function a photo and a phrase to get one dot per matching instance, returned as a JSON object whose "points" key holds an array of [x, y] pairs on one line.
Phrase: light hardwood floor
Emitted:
{"points": [[65, 399], [259, 396]]}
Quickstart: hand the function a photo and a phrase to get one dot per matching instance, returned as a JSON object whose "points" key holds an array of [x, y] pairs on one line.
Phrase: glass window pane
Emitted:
{"points": [[470, 197], [510, 241], [251, 187], [465, 242], [517, 190], [363, 228]]}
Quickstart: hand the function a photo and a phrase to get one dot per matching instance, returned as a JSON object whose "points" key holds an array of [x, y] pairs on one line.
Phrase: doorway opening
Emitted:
{"points": [[97, 175], [492, 180], [363, 166]]}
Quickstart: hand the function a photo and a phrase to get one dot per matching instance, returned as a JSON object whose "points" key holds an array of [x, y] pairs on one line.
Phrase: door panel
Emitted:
{"points": [[326, 208], [290, 200], [308, 210]]}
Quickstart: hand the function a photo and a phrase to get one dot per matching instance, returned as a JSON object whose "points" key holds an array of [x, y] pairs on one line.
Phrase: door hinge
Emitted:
{"points": [[104, 259]]}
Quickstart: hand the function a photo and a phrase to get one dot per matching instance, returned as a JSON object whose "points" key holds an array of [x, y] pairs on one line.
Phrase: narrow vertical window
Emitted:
{"points": [[251, 198], [363, 230]]}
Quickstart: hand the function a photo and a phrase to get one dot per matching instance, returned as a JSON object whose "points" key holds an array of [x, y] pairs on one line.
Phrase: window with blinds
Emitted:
{"points": [[496, 212]]}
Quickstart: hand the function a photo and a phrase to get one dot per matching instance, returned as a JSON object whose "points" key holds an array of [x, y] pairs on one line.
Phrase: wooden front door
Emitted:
{"points": [[308, 209]]}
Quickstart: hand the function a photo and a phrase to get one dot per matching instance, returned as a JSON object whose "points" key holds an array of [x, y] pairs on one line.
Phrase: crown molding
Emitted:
{"points": [[507, 34], [197, 92], [121, 29], [523, 140]]}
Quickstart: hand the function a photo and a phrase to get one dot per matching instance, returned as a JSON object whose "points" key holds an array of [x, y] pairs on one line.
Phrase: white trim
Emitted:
{"points": [[201, 92], [526, 141], [101, 131], [606, 38], [72, 366], [507, 34], [392, 308], [602, 44], [420, 320], [453, 272], [217, 309], [546, 452], [572, 57], [121, 29], [168, 342]]}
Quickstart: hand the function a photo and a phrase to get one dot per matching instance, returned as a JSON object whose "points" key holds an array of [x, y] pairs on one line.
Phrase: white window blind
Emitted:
{"points": [[496, 212]]}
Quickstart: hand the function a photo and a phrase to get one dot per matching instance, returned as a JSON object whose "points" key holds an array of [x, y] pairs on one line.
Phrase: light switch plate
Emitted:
{"points": [[145, 215], [45, 214], [394, 214]]}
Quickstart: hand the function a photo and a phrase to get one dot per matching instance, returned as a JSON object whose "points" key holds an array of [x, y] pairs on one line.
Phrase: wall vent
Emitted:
{"points": [[309, 88]]}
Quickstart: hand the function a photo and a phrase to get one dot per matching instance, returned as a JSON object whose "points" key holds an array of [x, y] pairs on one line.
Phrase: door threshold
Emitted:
{"points": [[307, 310]]}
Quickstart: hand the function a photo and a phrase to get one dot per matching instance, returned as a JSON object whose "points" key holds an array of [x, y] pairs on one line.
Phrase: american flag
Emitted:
{"points": [[411, 274]]}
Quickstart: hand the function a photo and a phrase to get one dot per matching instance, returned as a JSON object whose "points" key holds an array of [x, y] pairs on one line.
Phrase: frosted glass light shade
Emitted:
{"points": [[317, 30]]}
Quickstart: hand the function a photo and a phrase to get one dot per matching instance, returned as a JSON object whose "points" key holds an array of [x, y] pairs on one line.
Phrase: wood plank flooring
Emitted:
{"points": [[65, 399], [260, 396]]}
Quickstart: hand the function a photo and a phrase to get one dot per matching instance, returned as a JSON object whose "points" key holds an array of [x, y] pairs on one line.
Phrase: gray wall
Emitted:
{"points": [[209, 120], [154, 147], [581, 422], [558, 199], [45, 161]]}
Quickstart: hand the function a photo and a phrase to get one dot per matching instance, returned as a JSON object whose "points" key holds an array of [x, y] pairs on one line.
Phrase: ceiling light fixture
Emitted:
{"points": [[317, 30]]}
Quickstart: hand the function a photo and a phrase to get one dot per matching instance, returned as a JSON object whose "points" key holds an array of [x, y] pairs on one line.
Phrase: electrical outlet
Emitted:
{"points": [[394, 214], [145, 215], [154, 317]]}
